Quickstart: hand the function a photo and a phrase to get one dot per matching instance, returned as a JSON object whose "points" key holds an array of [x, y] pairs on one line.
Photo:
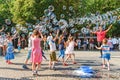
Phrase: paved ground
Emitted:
{"points": [[89, 58]]}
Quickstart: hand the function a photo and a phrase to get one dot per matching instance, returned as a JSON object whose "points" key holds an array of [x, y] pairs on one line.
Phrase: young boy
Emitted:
{"points": [[106, 53], [52, 46]]}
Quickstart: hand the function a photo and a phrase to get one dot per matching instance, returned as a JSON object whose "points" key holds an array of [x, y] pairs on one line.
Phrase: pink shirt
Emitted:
{"points": [[100, 35]]}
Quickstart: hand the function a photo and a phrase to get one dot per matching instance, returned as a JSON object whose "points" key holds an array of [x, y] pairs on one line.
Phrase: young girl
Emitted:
{"points": [[10, 52], [70, 50], [36, 55], [61, 43], [106, 53]]}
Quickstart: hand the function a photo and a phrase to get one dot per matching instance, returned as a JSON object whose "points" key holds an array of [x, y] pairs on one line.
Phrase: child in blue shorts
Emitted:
{"points": [[29, 51], [106, 53], [61, 43]]}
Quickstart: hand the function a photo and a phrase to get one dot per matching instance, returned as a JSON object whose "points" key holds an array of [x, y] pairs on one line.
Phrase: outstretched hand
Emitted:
{"points": [[96, 47]]}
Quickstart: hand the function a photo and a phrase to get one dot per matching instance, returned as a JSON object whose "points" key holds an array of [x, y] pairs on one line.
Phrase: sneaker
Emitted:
{"points": [[74, 63], [6, 61], [35, 73], [54, 68], [9, 62], [25, 67], [103, 66]]}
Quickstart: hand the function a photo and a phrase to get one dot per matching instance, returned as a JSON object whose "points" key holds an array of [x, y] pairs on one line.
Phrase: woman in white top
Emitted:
{"points": [[70, 50]]}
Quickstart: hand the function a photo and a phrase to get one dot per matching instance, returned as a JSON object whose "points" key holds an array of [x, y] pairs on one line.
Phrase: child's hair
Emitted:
{"points": [[35, 32], [71, 38], [104, 41]]}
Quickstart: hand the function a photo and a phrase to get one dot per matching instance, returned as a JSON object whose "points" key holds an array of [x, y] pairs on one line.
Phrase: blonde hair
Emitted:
{"points": [[105, 41]]}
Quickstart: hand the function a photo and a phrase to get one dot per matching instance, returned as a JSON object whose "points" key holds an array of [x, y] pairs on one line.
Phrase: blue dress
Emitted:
{"points": [[10, 53]]}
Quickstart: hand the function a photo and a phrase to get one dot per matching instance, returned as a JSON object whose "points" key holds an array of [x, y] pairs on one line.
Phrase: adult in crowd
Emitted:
{"points": [[101, 34]]}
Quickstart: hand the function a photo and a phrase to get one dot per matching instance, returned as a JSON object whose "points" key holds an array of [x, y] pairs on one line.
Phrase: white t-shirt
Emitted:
{"points": [[49, 38], [52, 46]]}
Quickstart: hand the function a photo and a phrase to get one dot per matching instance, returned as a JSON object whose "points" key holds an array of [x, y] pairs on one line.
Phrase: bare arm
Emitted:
{"points": [[56, 35], [108, 28], [98, 47], [93, 32], [41, 35], [14, 35]]}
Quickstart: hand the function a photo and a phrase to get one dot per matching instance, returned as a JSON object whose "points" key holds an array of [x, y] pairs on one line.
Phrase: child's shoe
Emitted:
{"points": [[103, 66], [10, 62], [65, 64], [7, 61], [74, 62], [25, 67]]}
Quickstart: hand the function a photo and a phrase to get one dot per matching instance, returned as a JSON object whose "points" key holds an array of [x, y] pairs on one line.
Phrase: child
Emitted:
{"points": [[19, 43], [36, 55], [45, 43], [78, 43], [106, 53], [10, 52], [70, 50], [52, 52], [29, 51], [61, 43]]}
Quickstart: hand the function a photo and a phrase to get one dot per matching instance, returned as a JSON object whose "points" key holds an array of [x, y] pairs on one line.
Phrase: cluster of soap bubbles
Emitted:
{"points": [[49, 21]]}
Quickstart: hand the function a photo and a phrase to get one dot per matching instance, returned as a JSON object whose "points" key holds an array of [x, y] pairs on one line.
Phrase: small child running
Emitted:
{"points": [[106, 53]]}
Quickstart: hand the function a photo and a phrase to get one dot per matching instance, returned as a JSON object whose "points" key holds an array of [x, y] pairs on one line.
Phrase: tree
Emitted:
{"points": [[23, 11]]}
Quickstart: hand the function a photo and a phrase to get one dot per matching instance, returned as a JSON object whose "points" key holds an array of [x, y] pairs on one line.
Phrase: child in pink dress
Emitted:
{"points": [[36, 55]]}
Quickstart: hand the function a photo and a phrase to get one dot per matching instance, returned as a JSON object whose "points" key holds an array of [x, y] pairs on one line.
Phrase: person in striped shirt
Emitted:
{"points": [[106, 53]]}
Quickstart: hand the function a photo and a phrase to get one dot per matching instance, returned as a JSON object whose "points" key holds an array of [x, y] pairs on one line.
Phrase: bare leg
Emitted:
{"points": [[74, 58], [33, 68], [68, 56], [108, 64], [37, 68], [26, 61], [53, 64], [103, 63], [50, 64], [4, 50]]}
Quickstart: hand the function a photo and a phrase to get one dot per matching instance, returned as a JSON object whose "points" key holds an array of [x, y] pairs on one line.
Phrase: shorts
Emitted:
{"points": [[29, 54], [106, 56], [53, 56]]}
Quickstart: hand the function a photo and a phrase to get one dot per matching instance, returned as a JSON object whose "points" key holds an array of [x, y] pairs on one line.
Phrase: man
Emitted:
{"points": [[101, 34]]}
